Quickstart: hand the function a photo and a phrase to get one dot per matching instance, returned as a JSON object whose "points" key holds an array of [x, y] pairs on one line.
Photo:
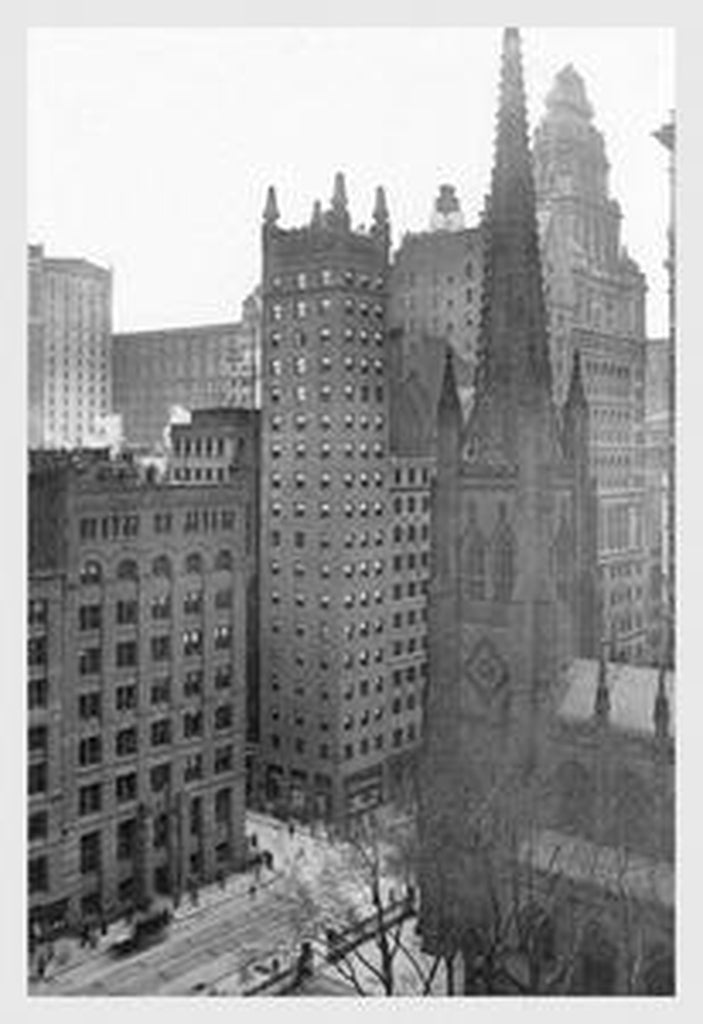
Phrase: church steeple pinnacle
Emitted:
{"points": [[517, 333]]}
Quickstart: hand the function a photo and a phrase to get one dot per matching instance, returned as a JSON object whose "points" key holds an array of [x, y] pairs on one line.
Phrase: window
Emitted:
{"points": [[126, 697], [38, 779], [194, 563], [192, 724], [128, 570], [160, 648], [504, 566], [161, 607], [223, 759], [223, 716], [160, 777], [127, 613], [126, 654], [91, 572], [38, 825], [223, 806], [127, 839], [89, 705], [126, 742], [193, 768], [193, 641], [37, 650], [223, 637], [90, 751], [126, 787], [224, 562], [90, 799], [161, 566], [38, 874], [37, 613], [37, 693], [163, 522], [193, 602]]}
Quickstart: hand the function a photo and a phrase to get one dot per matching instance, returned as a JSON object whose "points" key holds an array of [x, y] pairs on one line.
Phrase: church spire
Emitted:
{"points": [[339, 213], [449, 407], [517, 359], [271, 214]]}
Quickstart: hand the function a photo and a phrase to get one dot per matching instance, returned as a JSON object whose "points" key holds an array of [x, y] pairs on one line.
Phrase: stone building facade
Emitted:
{"points": [[69, 330], [596, 304], [435, 289], [136, 686], [325, 699], [546, 775]]}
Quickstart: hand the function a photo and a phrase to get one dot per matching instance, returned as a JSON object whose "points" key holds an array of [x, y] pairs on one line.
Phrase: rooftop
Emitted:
{"points": [[632, 690]]}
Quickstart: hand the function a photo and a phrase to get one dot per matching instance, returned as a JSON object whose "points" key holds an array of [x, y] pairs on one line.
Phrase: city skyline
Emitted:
{"points": [[180, 226]]}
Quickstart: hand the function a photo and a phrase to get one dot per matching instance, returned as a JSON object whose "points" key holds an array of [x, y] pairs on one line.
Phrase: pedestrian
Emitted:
{"points": [[291, 829], [41, 967], [103, 926], [252, 890], [221, 879]]}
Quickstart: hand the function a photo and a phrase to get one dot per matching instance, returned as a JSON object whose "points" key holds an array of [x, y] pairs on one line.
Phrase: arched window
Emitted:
{"points": [[503, 564], [161, 566], [194, 563], [128, 570], [91, 572], [475, 567], [576, 794], [223, 560]]}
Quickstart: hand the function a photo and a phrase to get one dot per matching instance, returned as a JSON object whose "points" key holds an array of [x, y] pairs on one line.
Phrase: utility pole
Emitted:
{"points": [[666, 135]]}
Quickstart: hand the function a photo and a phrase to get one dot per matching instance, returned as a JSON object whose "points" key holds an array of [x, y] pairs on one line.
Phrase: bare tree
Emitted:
{"points": [[360, 905]]}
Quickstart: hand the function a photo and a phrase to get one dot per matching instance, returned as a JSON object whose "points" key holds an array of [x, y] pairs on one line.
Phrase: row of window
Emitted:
{"points": [[348, 570], [198, 446], [126, 835], [300, 480], [411, 503], [299, 365], [363, 539], [412, 475], [90, 748], [326, 393], [412, 616], [348, 449], [300, 309], [411, 561], [415, 588], [127, 651], [349, 335], [127, 612], [114, 527], [327, 278], [324, 509], [127, 694], [411, 534], [128, 569], [363, 748]]}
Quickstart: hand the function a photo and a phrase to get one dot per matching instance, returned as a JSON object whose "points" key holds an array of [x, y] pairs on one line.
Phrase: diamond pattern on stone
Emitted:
{"points": [[486, 670]]}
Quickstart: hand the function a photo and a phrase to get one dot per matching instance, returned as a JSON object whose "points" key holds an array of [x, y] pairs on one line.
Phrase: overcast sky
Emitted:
{"points": [[151, 150]]}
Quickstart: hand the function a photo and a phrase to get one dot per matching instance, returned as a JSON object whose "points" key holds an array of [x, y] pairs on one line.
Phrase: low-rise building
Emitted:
{"points": [[136, 685]]}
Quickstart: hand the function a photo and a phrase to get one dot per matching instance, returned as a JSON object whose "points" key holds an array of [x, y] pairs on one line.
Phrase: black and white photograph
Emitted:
{"points": [[351, 498]]}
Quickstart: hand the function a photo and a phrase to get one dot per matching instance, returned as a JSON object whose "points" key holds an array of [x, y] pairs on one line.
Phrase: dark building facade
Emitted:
{"points": [[326, 724], [136, 685], [546, 780]]}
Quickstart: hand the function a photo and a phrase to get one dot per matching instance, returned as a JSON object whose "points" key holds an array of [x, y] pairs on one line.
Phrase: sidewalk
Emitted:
{"points": [[70, 954]]}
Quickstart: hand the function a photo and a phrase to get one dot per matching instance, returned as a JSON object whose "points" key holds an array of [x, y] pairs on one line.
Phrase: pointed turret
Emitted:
{"points": [[601, 707], [449, 406], [575, 425], [661, 706], [380, 210], [339, 213], [316, 220], [271, 213]]}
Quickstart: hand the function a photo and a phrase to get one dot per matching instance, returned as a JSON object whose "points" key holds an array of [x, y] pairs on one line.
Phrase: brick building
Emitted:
{"points": [[69, 329], [546, 812], [136, 685], [186, 367], [597, 305], [220, 445]]}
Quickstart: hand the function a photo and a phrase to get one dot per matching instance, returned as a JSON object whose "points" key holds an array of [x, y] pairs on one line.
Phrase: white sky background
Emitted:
{"points": [[151, 150]]}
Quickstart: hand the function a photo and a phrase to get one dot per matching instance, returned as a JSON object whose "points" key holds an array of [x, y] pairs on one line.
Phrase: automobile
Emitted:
{"points": [[147, 927]]}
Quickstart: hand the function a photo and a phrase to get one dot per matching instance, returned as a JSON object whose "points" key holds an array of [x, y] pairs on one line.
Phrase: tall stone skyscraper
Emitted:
{"points": [[70, 326], [325, 702], [596, 304]]}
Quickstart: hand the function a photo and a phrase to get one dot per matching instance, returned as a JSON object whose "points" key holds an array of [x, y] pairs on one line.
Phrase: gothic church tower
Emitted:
{"points": [[511, 598]]}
